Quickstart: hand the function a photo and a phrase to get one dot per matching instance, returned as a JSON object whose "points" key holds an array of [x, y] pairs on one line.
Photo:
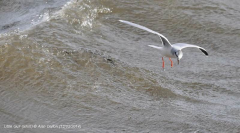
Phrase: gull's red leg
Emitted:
{"points": [[162, 62], [171, 62]]}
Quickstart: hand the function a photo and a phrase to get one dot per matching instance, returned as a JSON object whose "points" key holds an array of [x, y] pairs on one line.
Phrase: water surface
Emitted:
{"points": [[73, 63]]}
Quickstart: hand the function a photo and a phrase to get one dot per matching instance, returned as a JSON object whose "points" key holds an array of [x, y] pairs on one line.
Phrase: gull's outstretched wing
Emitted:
{"points": [[184, 45], [165, 41]]}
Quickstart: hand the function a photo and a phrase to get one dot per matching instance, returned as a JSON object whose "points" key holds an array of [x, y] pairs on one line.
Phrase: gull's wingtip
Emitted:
{"points": [[204, 51]]}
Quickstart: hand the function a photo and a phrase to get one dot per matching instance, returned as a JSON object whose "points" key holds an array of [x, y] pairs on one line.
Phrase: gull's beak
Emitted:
{"points": [[178, 62]]}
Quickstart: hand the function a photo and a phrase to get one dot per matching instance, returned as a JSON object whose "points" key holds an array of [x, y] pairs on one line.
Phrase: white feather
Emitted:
{"points": [[163, 38]]}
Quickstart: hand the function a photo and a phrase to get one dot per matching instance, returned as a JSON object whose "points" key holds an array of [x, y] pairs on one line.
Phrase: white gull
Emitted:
{"points": [[168, 50]]}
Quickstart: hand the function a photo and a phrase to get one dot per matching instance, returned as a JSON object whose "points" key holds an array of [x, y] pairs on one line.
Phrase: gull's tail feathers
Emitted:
{"points": [[153, 46]]}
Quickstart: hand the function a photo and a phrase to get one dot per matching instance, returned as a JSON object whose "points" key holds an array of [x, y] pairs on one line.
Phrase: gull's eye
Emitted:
{"points": [[176, 54]]}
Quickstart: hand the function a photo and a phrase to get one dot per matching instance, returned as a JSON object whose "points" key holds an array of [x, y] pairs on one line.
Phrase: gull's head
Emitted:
{"points": [[179, 55]]}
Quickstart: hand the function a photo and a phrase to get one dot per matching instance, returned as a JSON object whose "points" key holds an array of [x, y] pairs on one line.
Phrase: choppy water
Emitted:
{"points": [[73, 63]]}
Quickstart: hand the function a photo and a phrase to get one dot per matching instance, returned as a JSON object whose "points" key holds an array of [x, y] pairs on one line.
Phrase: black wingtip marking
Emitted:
{"points": [[204, 51]]}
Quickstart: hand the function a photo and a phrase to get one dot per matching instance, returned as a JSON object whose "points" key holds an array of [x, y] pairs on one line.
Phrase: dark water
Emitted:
{"points": [[73, 63]]}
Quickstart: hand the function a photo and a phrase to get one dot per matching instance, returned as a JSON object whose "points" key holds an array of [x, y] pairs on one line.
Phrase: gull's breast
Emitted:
{"points": [[167, 53]]}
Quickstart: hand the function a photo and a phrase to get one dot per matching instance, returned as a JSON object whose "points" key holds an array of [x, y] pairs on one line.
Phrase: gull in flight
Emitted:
{"points": [[168, 50]]}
